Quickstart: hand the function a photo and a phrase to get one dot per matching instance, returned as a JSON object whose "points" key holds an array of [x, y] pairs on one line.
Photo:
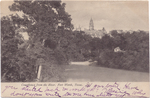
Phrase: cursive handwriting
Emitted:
{"points": [[51, 90], [53, 94], [25, 94], [34, 89], [127, 86], [9, 87], [86, 90]]}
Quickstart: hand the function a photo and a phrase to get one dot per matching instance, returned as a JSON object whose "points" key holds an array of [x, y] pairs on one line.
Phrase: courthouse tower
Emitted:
{"points": [[91, 25]]}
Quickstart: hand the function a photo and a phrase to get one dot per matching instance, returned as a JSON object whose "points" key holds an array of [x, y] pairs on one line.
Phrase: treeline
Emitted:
{"points": [[133, 53], [125, 50]]}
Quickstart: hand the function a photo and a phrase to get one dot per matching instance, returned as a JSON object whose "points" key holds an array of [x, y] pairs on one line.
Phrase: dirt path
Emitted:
{"points": [[79, 73]]}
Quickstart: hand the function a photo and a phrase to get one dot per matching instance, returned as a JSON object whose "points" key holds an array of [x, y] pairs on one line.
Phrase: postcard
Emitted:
{"points": [[75, 48]]}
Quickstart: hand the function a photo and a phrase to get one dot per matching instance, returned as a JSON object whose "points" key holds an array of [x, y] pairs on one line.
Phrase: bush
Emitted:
{"points": [[135, 56]]}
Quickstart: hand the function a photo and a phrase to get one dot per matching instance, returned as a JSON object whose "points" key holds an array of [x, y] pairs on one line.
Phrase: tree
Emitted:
{"points": [[45, 17], [9, 45], [14, 59], [47, 21], [135, 55], [44, 21]]}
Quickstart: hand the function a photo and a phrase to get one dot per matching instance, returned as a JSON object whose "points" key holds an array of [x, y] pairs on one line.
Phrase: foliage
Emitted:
{"points": [[14, 60], [78, 46], [44, 21], [134, 54]]}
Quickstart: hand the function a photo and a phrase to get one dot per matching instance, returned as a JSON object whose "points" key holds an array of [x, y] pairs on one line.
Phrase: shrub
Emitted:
{"points": [[135, 56]]}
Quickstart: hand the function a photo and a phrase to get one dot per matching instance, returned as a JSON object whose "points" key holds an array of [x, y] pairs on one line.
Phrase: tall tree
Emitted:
{"points": [[44, 21], [45, 17]]}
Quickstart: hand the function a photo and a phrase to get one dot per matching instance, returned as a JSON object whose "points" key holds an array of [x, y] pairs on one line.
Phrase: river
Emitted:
{"points": [[85, 73]]}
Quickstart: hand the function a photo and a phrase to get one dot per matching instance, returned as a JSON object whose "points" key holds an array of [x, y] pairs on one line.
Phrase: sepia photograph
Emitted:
{"points": [[74, 41]]}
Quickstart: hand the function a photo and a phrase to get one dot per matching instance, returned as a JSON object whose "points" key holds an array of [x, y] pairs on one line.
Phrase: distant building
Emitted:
{"points": [[117, 49], [120, 31], [91, 25], [94, 33], [129, 31]]}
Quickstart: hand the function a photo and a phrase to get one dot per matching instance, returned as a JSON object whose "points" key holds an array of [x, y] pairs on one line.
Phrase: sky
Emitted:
{"points": [[112, 15], [119, 15]]}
